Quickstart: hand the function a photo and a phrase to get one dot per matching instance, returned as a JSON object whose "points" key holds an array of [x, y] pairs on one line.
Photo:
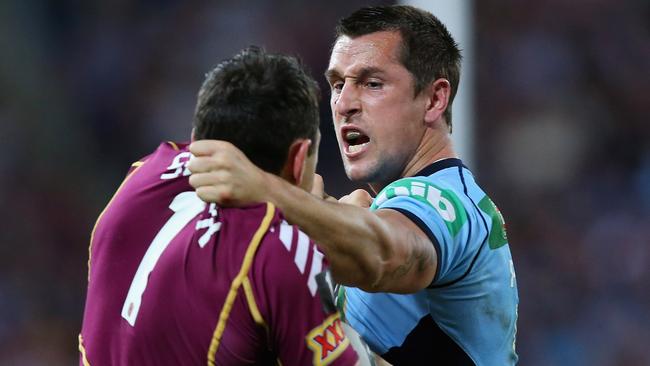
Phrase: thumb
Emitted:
{"points": [[318, 188], [359, 197]]}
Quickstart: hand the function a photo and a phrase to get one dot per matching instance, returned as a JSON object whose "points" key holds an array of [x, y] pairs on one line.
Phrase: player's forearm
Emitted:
{"points": [[353, 239]]}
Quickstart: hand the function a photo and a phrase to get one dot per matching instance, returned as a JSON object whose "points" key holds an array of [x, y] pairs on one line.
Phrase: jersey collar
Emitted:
{"points": [[440, 165]]}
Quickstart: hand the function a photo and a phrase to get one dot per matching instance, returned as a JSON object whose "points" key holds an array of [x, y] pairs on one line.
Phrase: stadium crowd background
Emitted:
{"points": [[563, 146]]}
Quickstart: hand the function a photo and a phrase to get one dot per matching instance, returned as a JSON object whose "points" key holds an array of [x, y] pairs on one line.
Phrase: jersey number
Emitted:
{"points": [[185, 206]]}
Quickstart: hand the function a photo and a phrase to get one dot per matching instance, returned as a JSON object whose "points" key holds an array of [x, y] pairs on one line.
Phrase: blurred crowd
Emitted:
{"points": [[563, 95], [562, 145]]}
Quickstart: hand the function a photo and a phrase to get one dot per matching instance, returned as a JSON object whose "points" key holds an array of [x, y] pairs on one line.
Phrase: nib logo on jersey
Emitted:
{"points": [[327, 341]]}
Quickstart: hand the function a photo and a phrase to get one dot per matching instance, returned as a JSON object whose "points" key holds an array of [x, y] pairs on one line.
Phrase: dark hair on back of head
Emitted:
{"points": [[261, 103], [428, 52]]}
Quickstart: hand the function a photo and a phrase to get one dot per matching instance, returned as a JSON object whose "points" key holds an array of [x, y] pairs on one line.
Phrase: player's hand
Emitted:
{"points": [[222, 174], [318, 189], [358, 197]]}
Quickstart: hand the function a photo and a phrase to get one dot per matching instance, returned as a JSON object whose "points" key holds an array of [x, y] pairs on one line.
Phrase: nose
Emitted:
{"points": [[347, 103]]}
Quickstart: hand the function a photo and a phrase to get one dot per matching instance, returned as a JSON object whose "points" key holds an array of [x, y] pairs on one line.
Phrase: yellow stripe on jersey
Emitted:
{"points": [[137, 164], [237, 282], [82, 349], [253, 308], [252, 304], [173, 145], [92, 233]]}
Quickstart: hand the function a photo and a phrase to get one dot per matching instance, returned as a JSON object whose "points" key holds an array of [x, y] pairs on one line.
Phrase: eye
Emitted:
{"points": [[337, 86], [374, 85]]}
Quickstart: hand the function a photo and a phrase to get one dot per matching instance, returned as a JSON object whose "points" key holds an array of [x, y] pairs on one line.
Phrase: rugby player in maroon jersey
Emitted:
{"points": [[176, 281]]}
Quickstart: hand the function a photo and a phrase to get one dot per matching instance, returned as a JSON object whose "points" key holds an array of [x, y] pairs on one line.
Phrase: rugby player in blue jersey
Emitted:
{"points": [[426, 264]]}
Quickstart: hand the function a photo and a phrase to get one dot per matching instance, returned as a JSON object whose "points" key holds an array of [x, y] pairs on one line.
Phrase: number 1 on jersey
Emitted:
{"points": [[185, 206]]}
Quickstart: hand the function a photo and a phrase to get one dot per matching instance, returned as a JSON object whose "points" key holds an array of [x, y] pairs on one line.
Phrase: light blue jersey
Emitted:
{"points": [[468, 315]]}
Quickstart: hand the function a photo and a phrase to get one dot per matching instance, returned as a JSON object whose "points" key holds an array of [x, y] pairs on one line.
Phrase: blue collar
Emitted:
{"points": [[440, 165]]}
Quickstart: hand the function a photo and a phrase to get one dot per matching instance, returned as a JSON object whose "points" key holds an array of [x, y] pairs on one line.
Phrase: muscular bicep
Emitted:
{"points": [[412, 260]]}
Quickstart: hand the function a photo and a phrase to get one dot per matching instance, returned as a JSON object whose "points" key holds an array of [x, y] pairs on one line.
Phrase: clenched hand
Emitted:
{"points": [[222, 174]]}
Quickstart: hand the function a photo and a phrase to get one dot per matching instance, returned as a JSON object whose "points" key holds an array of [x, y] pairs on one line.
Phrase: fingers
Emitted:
{"points": [[358, 197], [215, 194], [198, 180], [208, 147], [201, 164], [219, 159], [211, 171], [318, 188], [209, 155], [214, 187]]}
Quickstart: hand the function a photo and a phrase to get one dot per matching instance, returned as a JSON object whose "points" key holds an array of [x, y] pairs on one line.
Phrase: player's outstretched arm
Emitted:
{"points": [[376, 251]]}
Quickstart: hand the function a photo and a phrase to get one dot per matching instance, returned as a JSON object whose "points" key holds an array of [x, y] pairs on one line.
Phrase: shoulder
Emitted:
{"points": [[167, 155], [427, 197], [165, 149]]}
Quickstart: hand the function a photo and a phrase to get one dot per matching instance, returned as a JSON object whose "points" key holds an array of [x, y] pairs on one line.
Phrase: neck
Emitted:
{"points": [[435, 145]]}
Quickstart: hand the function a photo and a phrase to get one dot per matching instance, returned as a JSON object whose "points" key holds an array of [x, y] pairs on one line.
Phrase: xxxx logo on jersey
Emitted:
{"points": [[327, 340]]}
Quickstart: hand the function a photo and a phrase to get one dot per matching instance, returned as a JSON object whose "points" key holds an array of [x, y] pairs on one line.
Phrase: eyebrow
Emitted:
{"points": [[332, 74], [362, 73]]}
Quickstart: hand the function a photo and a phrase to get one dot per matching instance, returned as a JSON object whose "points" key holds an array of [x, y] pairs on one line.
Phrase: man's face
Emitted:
{"points": [[379, 122]]}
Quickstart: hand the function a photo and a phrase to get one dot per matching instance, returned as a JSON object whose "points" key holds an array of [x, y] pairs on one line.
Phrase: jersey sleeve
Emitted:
{"points": [[300, 330], [440, 214]]}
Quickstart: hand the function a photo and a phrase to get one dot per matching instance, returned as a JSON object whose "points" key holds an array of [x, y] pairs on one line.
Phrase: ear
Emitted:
{"points": [[438, 94], [192, 139], [295, 164]]}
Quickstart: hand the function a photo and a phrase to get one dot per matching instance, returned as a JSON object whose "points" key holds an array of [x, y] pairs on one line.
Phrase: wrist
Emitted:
{"points": [[271, 185]]}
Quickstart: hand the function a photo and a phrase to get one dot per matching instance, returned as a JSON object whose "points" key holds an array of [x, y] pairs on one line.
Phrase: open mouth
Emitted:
{"points": [[355, 140]]}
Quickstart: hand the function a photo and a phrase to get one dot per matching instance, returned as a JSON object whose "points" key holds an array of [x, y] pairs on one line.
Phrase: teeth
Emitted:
{"points": [[355, 148], [352, 135]]}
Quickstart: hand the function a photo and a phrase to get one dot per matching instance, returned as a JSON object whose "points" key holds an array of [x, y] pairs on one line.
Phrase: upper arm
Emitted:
{"points": [[432, 212], [412, 260]]}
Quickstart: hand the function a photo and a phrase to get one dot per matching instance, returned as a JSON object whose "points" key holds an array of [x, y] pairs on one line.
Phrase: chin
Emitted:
{"points": [[357, 174]]}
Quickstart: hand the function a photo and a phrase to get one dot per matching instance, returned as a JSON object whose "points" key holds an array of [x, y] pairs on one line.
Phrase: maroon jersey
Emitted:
{"points": [[176, 281]]}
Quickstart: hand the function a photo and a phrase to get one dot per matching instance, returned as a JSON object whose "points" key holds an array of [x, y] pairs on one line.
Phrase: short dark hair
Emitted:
{"points": [[261, 103], [428, 52]]}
